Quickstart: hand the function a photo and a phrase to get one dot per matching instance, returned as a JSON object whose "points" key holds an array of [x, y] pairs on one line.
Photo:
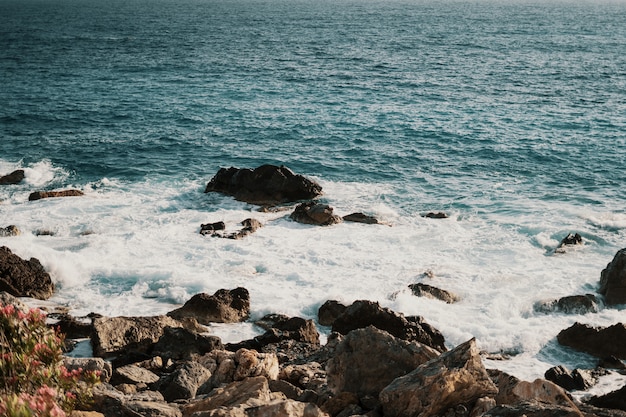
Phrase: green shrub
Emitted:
{"points": [[33, 380]]}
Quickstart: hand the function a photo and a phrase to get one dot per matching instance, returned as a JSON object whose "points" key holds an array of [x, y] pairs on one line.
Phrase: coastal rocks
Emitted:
{"points": [[363, 313], [178, 343], [212, 228], [38, 195], [456, 378], [22, 278], [571, 239], [436, 215], [573, 304], [360, 218], [90, 364], [598, 341], [13, 178], [578, 379], [394, 357], [11, 230], [329, 311], [117, 335], [315, 214], [265, 185], [216, 229], [615, 400], [425, 290], [613, 280], [225, 306], [183, 383]]}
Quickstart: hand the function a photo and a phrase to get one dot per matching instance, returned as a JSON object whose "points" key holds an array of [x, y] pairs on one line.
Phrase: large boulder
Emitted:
{"points": [[179, 343], [598, 341], [315, 213], [38, 195], [354, 369], [22, 278], [615, 399], [613, 280], [457, 377], [265, 185], [329, 311], [363, 313], [13, 178], [225, 306]]}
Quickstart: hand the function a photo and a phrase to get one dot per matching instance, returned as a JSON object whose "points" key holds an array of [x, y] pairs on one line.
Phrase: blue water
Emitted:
{"points": [[508, 115]]}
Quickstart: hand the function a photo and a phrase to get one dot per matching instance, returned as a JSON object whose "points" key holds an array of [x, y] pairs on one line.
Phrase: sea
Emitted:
{"points": [[507, 115]]}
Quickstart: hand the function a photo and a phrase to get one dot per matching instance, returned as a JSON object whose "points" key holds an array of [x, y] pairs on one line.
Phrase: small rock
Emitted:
{"points": [[315, 213], [360, 218], [436, 215], [13, 178], [425, 290], [38, 195], [11, 230]]}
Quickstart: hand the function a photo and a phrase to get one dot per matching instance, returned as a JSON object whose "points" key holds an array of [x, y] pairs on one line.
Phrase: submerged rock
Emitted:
{"points": [[22, 278], [265, 185], [38, 195]]}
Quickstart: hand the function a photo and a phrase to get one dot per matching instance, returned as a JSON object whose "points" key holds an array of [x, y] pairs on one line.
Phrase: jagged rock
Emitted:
{"points": [[615, 399], [265, 185], [13, 178], [11, 230], [532, 409], [425, 290], [613, 280], [598, 341], [315, 213], [90, 364], [329, 311], [23, 278], [38, 195], [225, 306], [360, 218], [286, 407], [352, 369], [120, 335], [363, 313], [180, 343], [573, 304], [210, 228], [249, 392], [578, 379], [184, 382], [570, 240], [133, 374], [227, 367], [457, 377], [291, 391]]}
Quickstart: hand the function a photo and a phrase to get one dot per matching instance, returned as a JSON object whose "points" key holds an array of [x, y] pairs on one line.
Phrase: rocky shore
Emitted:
{"points": [[376, 362]]}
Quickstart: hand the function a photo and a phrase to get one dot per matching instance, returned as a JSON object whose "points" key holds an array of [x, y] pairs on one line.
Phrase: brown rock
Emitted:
{"points": [[133, 374], [150, 409], [265, 185], [225, 306], [13, 178], [613, 280], [455, 378], [22, 278], [11, 230], [598, 341], [38, 195], [180, 343], [329, 311], [573, 304], [360, 218], [352, 369], [615, 399], [248, 392], [286, 407], [425, 290], [315, 214], [184, 382]]}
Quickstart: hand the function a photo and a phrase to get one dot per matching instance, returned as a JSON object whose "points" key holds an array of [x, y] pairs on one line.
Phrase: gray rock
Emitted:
{"points": [[90, 364], [573, 304], [150, 409]]}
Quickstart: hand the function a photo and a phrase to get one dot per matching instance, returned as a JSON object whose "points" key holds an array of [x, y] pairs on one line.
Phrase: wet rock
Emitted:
{"points": [[436, 215], [363, 313], [598, 341], [38, 195], [265, 185], [360, 218], [613, 280], [315, 213], [615, 400], [570, 240], [11, 230], [179, 343], [225, 306], [13, 178], [218, 229], [184, 382], [455, 378], [121, 335], [352, 369], [611, 362], [22, 278], [573, 304], [578, 379], [210, 228], [425, 290], [329, 311]]}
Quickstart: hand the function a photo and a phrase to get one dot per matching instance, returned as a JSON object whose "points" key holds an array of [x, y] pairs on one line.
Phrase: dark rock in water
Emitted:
{"points": [[613, 280], [611, 362], [210, 228], [578, 379], [225, 306], [22, 278], [573, 304], [363, 313], [329, 311], [179, 343], [265, 185], [9, 231], [13, 178], [570, 240], [71, 327], [615, 400], [315, 214], [249, 226], [38, 195], [360, 218], [455, 378], [436, 215], [353, 368], [425, 290], [598, 341]]}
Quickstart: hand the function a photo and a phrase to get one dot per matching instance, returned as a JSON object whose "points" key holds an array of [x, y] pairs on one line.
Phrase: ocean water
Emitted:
{"points": [[510, 116]]}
